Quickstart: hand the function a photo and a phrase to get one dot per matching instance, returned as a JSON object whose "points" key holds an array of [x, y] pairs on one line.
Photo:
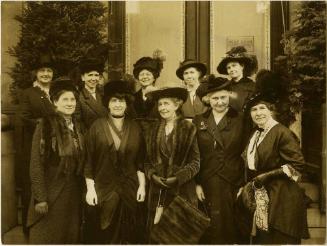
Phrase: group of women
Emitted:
{"points": [[120, 149]]}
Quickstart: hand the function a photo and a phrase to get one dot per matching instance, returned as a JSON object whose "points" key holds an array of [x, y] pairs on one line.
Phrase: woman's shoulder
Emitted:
{"points": [[284, 133]]}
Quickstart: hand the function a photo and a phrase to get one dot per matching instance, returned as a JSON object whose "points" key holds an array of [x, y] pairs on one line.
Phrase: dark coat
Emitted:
{"points": [[61, 191], [145, 109], [183, 162], [189, 110], [34, 105], [90, 109], [110, 169], [244, 89], [221, 146], [287, 208]]}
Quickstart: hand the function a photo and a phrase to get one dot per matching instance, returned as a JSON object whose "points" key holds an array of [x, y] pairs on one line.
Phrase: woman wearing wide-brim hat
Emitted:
{"points": [[34, 104], [172, 153], [90, 105], [272, 201], [146, 71], [239, 65], [220, 135], [115, 184], [56, 169], [191, 71]]}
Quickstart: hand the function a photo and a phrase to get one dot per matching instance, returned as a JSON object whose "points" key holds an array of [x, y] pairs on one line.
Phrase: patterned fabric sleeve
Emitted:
{"points": [[38, 185]]}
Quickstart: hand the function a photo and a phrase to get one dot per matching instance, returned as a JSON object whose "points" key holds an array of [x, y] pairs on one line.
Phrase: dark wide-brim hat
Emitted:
{"points": [[212, 84], [63, 83], [168, 92], [115, 87], [257, 99], [190, 63], [44, 60], [239, 54], [91, 64], [148, 63]]}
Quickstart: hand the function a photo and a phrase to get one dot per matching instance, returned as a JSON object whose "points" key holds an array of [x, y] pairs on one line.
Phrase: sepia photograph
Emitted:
{"points": [[163, 122]]}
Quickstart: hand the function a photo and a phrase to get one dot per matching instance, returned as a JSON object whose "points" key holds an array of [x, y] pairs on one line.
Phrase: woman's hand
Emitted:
{"points": [[199, 193], [140, 195], [159, 181], [239, 192], [91, 197], [41, 207]]}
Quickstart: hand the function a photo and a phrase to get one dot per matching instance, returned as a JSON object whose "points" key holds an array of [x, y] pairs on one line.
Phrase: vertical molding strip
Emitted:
{"points": [[183, 32], [211, 37], [127, 41], [267, 35], [197, 30]]}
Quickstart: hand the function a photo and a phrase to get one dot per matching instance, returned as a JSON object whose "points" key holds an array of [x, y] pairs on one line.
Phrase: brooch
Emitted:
{"points": [[203, 126]]}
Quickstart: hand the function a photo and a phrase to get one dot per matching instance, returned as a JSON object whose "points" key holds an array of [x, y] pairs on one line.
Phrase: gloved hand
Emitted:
{"points": [[41, 207], [159, 181], [267, 176], [170, 182], [91, 196], [199, 193], [140, 195]]}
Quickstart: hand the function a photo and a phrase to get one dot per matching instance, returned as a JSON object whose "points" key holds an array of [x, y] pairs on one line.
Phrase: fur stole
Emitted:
{"points": [[57, 138], [183, 136]]}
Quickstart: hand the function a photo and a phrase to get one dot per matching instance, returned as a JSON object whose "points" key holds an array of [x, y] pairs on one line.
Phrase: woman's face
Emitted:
{"points": [[191, 78], [235, 70], [260, 114], [91, 79], [146, 78], [219, 100], [117, 106], [167, 108], [66, 103], [44, 75]]}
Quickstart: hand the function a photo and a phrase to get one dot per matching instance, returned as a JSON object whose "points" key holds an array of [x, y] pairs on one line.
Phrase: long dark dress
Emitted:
{"points": [[114, 174], [287, 217], [55, 180], [176, 156], [221, 171]]}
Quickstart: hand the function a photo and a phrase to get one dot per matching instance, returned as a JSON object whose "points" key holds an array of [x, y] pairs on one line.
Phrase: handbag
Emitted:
{"points": [[180, 223]]}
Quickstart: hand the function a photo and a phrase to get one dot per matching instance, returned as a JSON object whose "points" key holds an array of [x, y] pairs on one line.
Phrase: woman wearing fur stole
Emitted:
{"points": [[56, 166], [172, 154]]}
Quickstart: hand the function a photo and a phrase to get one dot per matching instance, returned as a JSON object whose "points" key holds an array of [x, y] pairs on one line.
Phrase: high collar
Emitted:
{"points": [[269, 124], [41, 87]]}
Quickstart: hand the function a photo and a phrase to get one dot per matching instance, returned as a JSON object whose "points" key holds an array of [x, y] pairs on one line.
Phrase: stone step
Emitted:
{"points": [[315, 217], [317, 236], [14, 236]]}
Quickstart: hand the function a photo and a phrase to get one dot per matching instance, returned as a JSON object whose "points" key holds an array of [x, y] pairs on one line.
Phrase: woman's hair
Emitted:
{"points": [[57, 95], [128, 97], [206, 99], [178, 102], [270, 106]]}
